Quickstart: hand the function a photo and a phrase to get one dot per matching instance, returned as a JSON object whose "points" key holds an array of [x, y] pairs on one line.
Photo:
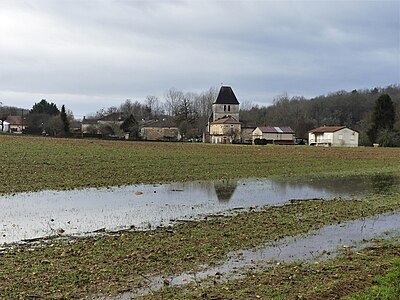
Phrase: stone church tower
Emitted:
{"points": [[226, 105]]}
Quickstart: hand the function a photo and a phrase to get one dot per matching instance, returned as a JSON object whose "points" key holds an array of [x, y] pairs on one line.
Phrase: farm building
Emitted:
{"points": [[162, 130], [341, 136], [274, 135]]}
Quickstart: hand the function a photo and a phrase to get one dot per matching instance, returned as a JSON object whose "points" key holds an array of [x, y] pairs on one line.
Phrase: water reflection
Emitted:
{"points": [[33, 215], [225, 189]]}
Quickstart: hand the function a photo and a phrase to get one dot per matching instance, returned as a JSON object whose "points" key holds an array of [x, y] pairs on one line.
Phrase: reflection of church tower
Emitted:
{"points": [[226, 104], [225, 189]]}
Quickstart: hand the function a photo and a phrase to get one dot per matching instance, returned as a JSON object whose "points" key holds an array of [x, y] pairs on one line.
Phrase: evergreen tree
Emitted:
{"points": [[131, 126], [383, 117], [44, 107], [64, 120]]}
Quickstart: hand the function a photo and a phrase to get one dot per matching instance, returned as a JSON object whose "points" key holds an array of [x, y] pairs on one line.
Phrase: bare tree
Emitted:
{"points": [[154, 105], [173, 98]]}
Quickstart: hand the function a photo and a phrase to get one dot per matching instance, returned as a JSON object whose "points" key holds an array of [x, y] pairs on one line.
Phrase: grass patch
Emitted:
{"points": [[37, 163], [385, 287], [111, 264]]}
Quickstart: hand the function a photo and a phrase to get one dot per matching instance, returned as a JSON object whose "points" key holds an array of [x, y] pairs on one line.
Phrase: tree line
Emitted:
{"points": [[190, 111], [377, 121], [355, 109]]}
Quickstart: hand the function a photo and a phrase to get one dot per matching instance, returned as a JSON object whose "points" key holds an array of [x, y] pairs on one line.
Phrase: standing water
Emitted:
{"points": [[27, 216]]}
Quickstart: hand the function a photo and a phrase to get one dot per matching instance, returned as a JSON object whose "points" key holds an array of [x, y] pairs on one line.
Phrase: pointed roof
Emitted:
{"points": [[226, 96]]}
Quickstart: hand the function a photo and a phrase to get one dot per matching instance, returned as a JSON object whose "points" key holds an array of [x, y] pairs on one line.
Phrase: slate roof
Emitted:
{"points": [[226, 96], [323, 129], [226, 120], [272, 129]]}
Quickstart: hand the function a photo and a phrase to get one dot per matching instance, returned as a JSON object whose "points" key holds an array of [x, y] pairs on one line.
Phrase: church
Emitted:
{"points": [[224, 126]]}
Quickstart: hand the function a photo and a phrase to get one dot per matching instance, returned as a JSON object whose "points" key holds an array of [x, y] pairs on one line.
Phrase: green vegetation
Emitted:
{"points": [[37, 163], [386, 287], [331, 279], [78, 267], [111, 264]]}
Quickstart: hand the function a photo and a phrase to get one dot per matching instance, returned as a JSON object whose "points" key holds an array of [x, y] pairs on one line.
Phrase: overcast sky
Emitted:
{"points": [[89, 54]]}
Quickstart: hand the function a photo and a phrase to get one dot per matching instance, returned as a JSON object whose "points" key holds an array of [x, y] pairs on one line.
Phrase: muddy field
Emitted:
{"points": [[323, 225], [37, 163]]}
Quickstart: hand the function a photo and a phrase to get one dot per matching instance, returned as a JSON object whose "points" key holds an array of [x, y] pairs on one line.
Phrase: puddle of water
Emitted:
{"points": [[316, 245], [37, 215]]}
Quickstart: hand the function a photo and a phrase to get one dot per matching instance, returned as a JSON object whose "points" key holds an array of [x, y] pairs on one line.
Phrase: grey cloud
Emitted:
{"points": [[127, 49]]}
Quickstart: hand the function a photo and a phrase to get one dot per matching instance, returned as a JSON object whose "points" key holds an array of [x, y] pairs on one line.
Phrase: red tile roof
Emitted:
{"points": [[14, 120], [323, 129]]}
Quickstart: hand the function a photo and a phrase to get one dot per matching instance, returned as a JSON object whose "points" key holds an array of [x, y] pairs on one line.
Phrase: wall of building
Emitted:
{"points": [[225, 133], [160, 134], [222, 110], [345, 138], [342, 138], [258, 134]]}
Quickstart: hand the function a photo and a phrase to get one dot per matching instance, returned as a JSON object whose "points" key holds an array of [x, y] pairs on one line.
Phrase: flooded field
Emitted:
{"points": [[315, 246], [27, 216]]}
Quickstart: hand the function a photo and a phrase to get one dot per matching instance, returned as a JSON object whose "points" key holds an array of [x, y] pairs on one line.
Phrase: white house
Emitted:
{"points": [[4, 126], [339, 136], [274, 135]]}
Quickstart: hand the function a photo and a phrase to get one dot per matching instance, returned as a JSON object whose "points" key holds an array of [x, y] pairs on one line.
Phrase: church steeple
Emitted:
{"points": [[226, 104]]}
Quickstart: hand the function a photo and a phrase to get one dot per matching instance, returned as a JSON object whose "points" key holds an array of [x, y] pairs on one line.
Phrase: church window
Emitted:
{"points": [[229, 108]]}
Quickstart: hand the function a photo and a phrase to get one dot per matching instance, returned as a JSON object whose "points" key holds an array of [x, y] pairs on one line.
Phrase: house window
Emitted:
{"points": [[340, 136], [224, 107], [229, 108]]}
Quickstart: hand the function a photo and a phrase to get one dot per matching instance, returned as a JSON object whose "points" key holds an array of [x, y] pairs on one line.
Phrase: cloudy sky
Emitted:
{"points": [[89, 54]]}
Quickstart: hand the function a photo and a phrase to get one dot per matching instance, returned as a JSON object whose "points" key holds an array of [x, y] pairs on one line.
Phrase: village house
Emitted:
{"points": [[4, 126], [247, 128], [160, 130], [225, 131], [341, 136], [274, 135], [106, 124], [16, 124]]}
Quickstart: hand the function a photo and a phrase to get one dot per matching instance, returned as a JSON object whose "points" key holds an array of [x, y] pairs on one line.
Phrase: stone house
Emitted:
{"points": [[225, 131], [274, 135], [106, 124], [340, 136], [160, 130]]}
